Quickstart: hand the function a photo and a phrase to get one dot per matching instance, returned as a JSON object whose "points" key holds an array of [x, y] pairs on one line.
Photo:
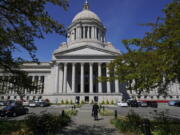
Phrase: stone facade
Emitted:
{"points": [[72, 74]]}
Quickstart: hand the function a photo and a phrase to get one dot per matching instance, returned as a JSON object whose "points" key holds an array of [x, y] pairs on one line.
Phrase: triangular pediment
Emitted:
{"points": [[86, 51]]}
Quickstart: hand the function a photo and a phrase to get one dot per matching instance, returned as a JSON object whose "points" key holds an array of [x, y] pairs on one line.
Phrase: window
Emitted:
{"points": [[97, 33], [86, 32], [90, 29], [74, 34], [82, 32]]}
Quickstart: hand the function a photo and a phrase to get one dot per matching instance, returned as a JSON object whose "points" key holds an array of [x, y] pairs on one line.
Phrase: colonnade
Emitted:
{"points": [[86, 32], [62, 72]]}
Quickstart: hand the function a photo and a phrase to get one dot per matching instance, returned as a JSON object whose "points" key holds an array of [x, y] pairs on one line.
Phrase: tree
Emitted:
{"points": [[21, 21], [155, 61]]}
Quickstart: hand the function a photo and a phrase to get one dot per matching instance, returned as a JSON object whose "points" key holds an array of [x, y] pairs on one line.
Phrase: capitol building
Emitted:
{"points": [[72, 74]]}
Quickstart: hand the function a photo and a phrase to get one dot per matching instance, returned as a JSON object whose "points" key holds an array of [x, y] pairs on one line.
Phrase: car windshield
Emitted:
{"points": [[8, 108]]}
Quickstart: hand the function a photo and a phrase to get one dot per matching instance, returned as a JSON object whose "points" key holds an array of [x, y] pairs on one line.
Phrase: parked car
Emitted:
{"points": [[32, 103], [177, 103], [25, 103], [44, 104], [142, 104], [122, 104], [13, 111], [3, 103], [153, 104], [172, 103], [132, 103]]}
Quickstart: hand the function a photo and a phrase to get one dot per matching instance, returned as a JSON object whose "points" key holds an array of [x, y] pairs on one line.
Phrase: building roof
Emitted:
{"points": [[86, 14]]}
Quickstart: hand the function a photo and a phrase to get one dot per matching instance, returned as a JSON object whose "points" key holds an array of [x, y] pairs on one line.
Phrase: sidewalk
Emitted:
{"points": [[84, 124]]}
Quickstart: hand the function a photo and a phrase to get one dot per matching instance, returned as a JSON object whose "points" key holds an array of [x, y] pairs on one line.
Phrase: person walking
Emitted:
{"points": [[95, 110]]}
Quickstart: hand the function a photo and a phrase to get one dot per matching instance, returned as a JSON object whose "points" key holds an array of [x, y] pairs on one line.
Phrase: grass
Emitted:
{"points": [[71, 112], [7, 127], [161, 125], [106, 112]]}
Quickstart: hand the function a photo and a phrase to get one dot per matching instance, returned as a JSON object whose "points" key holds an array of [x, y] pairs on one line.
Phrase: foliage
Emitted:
{"points": [[67, 102], [107, 102], [47, 123], [160, 125], [112, 102], [130, 124], [71, 112], [71, 102], [164, 125], [153, 61], [6, 127], [21, 22], [62, 101], [82, 102], [103, 102], [92, 101]]}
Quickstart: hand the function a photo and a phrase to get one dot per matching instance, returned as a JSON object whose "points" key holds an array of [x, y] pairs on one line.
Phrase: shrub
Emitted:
{"points": [[92, 101], [107, 102], [46, 123], [67, 102], [82, 102], [130, 124], [71, 102], [71, 112], [103, 102], [112, 102], [62, 101]]}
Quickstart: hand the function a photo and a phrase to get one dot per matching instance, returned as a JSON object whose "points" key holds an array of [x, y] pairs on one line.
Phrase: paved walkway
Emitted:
{"points": [[84, 124]]}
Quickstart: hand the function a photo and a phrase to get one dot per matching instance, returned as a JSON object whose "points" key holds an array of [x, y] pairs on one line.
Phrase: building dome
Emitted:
{"points": [[86, 15]]}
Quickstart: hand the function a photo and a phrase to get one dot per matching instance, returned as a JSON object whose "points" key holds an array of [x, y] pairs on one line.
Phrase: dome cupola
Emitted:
{"points": [[86, 25], [86, 14]]}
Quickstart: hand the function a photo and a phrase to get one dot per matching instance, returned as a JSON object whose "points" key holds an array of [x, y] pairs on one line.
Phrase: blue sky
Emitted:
{"points": [[120, 17]]}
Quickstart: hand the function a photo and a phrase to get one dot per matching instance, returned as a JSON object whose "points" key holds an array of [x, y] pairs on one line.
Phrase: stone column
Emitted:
{"points": [[61, 78], [40, 84], [91, 77], [73, 77], [57, 78], [95, 32], [33, 78], [99, 75], [108, 82], [88, 32], [92, 32], [65, 78], [82, 77], [116, 84]]}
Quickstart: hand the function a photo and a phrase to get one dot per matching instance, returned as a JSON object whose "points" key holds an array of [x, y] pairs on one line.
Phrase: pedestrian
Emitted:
{"points": [[95, 110]]}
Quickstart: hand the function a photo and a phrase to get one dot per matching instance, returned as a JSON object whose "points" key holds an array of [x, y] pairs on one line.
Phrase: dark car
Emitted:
{"points": [[132, 103], [3, 103], [177, 103], [153, 104], [44, 104], [13, 111]]}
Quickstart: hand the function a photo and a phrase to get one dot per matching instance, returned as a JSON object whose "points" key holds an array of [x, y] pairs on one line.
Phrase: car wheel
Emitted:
{"points": [[14, 114], [26, 111]]}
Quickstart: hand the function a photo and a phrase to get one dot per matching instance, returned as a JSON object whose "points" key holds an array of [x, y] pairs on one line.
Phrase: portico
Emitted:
{"points": [[83, 78]]}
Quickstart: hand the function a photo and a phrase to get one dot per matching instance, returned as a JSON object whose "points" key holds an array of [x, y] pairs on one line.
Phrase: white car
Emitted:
{"points": [[122, 104]]}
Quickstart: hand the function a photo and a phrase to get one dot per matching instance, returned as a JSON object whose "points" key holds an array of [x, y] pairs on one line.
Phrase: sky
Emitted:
{"points": [[122, 19]]}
